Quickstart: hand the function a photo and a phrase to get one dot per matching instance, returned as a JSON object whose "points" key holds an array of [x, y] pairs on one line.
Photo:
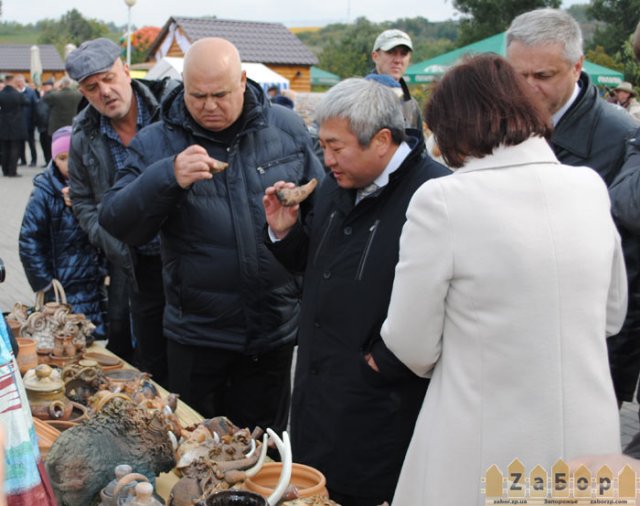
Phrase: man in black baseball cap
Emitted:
{"points": [[118, 108]]}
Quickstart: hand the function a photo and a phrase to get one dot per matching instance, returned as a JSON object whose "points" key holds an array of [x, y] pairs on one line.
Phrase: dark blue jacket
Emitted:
{"points": [[52, 245], [342, 413], [224, 289]]}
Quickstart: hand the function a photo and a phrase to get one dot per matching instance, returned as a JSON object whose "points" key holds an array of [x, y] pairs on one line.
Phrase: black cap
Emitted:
{"points": [[92, 57]]}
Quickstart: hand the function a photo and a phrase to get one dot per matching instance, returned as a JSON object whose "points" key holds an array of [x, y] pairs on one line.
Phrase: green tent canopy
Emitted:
{"points": [[430, 70], [321, 77]]}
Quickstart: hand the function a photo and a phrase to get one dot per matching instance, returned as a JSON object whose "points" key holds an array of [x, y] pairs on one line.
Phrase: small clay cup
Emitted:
{"points": [[27, 356]]}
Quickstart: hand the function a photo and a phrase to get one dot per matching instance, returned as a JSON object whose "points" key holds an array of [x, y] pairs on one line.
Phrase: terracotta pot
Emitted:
{"points": [[309, 481], [27, 356], [45, 391]]}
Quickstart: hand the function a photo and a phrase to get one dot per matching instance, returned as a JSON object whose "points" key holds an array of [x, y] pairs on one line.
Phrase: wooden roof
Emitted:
{"points": [[18, 57], [257, 42]]}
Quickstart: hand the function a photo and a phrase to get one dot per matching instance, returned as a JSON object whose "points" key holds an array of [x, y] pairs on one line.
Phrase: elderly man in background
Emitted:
{"points": [[347, 247], [118, 108], [391, 55], [198, 178], [545, 47], [63, 102]]}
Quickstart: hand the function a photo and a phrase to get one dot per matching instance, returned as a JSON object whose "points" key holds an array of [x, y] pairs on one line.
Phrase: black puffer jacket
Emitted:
{"points": [[52, 245], [342, 413], [595, 134], [223, 287]]}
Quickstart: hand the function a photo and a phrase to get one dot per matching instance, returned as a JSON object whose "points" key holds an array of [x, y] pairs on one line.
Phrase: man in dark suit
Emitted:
{"points": [[13, 130]]}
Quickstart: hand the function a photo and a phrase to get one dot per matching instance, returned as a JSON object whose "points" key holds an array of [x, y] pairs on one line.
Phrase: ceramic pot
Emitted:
{"points": [[308, 480], [27, 356], [45, 391], [106, 494]]}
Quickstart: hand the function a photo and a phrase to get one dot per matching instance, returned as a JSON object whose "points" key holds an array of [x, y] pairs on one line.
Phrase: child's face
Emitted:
{"points": [[62, 162]]}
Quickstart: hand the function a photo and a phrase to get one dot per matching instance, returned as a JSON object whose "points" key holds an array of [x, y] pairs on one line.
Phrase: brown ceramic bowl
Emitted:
{"points": [[308, 480]]}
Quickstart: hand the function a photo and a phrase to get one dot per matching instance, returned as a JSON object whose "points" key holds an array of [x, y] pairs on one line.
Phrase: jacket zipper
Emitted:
{"points": [[324, 237], [262, 169], [367, 248]]}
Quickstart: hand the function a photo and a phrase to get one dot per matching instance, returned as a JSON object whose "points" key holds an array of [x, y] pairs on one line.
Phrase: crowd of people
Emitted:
{"points": [[448, 316]]}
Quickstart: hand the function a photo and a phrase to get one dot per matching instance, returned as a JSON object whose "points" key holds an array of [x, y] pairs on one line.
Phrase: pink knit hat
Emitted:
{"points": [[60, 141]]}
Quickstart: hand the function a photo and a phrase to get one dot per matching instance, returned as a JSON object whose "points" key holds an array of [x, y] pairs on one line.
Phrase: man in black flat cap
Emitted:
{"points": [[118, 108]]}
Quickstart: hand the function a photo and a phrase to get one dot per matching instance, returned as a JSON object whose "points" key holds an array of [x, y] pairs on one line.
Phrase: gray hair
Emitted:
{"points": [[66, 82], [548, 26], [367, 106]]}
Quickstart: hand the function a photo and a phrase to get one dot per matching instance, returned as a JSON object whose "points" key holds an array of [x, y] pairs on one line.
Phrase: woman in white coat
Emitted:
{"points": [[510, 276]]}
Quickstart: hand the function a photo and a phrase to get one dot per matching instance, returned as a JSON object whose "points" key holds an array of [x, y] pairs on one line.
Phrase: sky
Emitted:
{"points": [[292, 13]]}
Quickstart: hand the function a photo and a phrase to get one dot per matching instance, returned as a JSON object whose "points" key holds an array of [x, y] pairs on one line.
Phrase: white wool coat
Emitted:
{"points": [[510, 276]]}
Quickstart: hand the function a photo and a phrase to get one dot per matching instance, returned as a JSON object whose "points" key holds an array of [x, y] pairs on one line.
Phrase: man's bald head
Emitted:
{"points": [[214, 83]]}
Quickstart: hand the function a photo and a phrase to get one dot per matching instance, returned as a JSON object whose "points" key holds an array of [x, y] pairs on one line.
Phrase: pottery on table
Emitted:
{"points": [[45, 390], [308, 481], [106, 494], [27, 356], [143, 496], [79, 413]]}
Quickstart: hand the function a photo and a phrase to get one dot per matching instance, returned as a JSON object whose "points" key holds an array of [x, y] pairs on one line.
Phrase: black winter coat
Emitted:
{"points": [[595, 134], [52, 245], [223, 287], [12, 124], [348, 421], [92, 171]]}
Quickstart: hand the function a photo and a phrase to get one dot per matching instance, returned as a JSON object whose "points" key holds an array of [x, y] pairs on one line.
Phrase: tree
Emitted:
{"points": [[72, 28], [489, 17], [620, 18], [350, 55]]}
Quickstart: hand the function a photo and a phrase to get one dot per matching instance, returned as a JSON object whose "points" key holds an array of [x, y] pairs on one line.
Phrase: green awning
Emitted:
{"points": [[433, 68], [321, 77]]}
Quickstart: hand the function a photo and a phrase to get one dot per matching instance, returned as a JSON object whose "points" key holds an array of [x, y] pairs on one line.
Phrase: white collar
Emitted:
{"points": [[557, 116], [394, 164], [532, 150]]}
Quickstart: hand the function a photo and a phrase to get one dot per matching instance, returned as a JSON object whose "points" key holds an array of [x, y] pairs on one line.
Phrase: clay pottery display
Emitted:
{"points": [[45, 390], [308, 481], [133, 489], [83, 380], [27, 356], [106, 494], [142, 496], [107, 362], [79, 413], [64, 352], [234, 498]]}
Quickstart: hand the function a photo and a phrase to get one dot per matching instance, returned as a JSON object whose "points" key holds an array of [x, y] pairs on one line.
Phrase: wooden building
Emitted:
{"points": [[16, 59], [271, 44]]}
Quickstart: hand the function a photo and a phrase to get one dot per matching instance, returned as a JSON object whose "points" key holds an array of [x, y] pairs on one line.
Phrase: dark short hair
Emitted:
{"points": [[480, 104]]}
